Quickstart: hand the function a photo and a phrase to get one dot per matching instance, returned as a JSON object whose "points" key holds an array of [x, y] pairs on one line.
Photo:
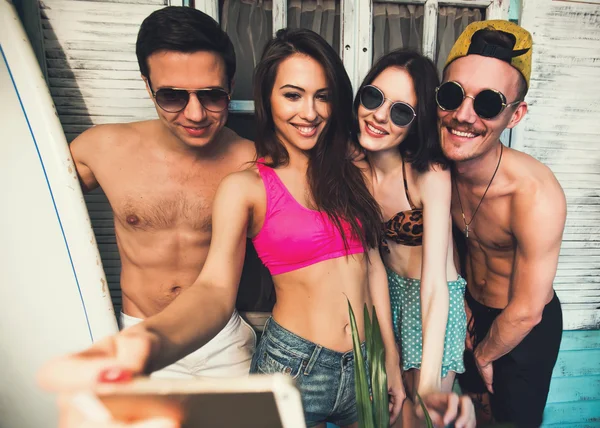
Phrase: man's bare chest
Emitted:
{"points": [[489, 230], [163, 201]]}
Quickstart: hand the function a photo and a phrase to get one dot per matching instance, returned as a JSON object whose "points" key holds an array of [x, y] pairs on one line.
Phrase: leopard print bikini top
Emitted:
{"points": [[406, 227]]}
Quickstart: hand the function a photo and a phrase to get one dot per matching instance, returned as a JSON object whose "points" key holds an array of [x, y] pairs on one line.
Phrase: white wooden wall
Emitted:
{"points": [[562, 129], [94, 78]]}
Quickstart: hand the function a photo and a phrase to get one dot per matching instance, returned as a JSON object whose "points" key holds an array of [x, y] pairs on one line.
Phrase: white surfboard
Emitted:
{"points": [[53, 293]]}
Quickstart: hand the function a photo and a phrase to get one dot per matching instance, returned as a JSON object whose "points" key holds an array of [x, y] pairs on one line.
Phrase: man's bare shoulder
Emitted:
{"points": [[240, 148], [100, 136], [536, 186], [532, 175], [114, 130]]}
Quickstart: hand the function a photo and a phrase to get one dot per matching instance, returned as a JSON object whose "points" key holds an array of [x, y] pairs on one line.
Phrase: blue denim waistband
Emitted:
{"points": [[305, 349]]}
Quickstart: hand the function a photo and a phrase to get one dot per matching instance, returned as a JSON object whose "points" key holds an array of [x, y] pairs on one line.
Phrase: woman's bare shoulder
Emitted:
{"points": [[245, 180]]}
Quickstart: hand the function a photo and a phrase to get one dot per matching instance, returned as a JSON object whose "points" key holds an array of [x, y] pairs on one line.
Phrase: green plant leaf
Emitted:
{"points": [[380, 392], [368, 340], [428, 421], [379, 376], [363, 399]]}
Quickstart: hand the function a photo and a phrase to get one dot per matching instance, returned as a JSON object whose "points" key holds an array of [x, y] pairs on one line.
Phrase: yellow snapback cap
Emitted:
{"points": [[519, 56]]}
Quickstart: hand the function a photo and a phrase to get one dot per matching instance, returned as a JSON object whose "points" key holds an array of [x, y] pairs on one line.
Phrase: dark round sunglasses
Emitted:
{"points": [[401, 114], [174, 100], [487, 104]]}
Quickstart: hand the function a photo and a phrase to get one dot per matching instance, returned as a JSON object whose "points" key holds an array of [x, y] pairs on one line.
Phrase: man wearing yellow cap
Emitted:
{"points": [[511, 210]]}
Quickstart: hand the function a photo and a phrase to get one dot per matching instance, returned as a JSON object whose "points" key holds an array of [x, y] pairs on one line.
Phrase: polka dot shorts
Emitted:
{"points": [[405, 297]]}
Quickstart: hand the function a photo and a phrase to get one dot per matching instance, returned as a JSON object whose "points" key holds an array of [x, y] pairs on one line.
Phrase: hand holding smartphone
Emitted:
{"points": [[260, 401]]}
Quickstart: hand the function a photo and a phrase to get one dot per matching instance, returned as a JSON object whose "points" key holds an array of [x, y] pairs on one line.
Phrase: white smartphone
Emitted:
{"points": [[256, 401]]}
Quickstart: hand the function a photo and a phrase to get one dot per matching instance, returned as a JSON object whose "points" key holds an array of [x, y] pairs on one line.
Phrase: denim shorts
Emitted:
{"points": [[324, 377]]}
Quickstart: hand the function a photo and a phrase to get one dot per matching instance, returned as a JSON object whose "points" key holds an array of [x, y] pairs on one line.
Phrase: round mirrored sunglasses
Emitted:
{"points": [[487, 104], [401, 114]]}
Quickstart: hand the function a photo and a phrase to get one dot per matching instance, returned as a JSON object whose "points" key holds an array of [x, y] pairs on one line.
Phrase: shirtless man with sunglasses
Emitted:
{"points": [[160, 177], [511, 210]]}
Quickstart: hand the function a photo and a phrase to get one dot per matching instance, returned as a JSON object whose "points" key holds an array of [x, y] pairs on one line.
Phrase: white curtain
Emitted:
{"points": [[451, 23], [401, 26], [249, 24], [321, 16], [396, 26]]}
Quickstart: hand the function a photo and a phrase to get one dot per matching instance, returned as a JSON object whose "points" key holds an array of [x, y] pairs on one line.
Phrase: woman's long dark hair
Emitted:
{"points": [[422, 144], [337, 185]]}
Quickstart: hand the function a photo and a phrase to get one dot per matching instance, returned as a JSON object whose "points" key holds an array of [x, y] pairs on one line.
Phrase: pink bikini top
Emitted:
{"points": [[292, 236]]}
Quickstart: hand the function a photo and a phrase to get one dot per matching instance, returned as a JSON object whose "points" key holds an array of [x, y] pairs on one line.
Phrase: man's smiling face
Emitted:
{"points": [[463, 134]]}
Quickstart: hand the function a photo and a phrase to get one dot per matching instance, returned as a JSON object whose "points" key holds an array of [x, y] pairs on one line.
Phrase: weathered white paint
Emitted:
{"points": [[210, 7], [561, 130], [498, 9], [279, 15], [430, 28], [356, 40], [364, 40], [348, 43]]}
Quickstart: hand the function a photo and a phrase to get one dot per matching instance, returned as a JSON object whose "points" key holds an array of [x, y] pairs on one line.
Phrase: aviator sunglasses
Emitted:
{"points": [[174, 100], [487, 104], [401, 114]]}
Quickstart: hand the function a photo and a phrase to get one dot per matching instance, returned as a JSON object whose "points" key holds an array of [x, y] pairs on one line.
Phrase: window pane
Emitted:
{"points": [[451, 23], [396, 26], [243, 124], [249, 24], [321, 16]]}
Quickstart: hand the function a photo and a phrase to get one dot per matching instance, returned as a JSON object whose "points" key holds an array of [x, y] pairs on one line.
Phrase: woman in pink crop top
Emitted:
{"points": [[313, 223], [396, 125]]}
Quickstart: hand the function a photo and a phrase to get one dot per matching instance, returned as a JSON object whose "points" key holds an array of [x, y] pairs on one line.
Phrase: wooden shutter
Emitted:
{"points": [[562, 130]]}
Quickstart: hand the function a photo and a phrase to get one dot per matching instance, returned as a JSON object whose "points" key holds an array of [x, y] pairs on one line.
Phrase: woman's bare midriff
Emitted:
{"points": [[312, 302], [406, 261]]}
